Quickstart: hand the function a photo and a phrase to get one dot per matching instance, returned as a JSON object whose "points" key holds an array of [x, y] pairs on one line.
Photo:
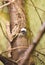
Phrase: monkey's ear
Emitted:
{"points": [[7, 61]]}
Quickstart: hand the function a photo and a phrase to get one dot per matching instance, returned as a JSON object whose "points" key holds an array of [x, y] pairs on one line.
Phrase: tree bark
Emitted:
{"points": [[18, 22]]}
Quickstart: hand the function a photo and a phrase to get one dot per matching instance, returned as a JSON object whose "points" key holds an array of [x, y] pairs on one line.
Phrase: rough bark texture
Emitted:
{"points": [[17, 22], [17, 19]]}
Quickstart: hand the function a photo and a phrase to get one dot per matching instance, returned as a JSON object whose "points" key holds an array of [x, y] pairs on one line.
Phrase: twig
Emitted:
{"points": [[14, 36], [39, 52], [40, 59], [4, 33], [7, 61], [35, 6], [37, 11], [12, 49], [6, 4]]}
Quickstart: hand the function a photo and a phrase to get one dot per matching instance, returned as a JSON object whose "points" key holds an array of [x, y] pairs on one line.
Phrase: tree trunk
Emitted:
{"points": [[18, 20]]}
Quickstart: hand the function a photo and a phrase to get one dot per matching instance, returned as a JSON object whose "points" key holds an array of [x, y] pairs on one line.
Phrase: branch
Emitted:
{"points": [[7, 61], [33, 45], [6, 4]]}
